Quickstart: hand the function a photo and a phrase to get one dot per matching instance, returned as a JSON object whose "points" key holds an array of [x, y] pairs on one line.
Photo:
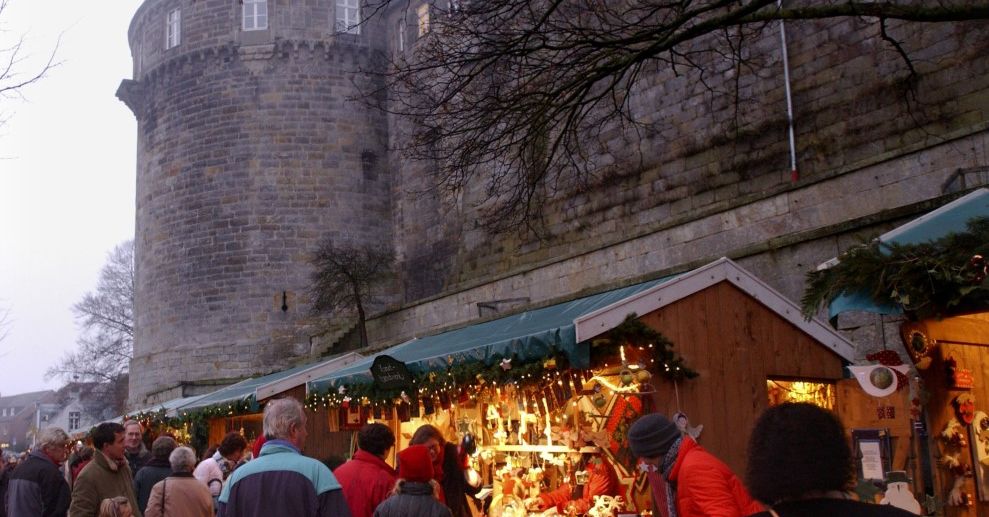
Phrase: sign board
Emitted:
{"points": [[390, 373]]}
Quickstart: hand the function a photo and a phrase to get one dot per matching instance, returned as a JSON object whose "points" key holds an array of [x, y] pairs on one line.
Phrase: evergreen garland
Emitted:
{"points": [[453, 380], [474, 374], [929, 280], [635, 333]]}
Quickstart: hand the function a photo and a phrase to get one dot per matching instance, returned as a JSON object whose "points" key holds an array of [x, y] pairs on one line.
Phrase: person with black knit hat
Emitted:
{"points": [[693, 483]]}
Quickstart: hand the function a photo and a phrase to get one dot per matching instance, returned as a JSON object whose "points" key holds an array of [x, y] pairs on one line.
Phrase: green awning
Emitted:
{"points": [[529, 335], [950, 218], [247, 389]]}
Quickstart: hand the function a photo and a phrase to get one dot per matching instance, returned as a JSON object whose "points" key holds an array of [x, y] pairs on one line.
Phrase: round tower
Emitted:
{"points": [[251, 150]]}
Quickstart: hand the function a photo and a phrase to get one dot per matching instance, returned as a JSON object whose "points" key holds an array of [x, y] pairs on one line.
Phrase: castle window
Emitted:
{"points": [[348, 16], [173, 28], [255, 15], [73, 420], [422, 14]]}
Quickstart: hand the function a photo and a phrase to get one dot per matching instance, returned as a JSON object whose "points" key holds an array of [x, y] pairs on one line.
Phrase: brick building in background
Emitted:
{"points": [[252, 150]]}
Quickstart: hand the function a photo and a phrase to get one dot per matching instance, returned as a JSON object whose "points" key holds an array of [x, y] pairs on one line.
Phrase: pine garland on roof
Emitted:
{"points": [[929, 280]]}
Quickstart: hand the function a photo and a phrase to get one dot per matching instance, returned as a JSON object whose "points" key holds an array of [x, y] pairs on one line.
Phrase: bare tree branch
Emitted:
{"points": [[530, 98], [12, 60], [345, 276], [106, 318]]}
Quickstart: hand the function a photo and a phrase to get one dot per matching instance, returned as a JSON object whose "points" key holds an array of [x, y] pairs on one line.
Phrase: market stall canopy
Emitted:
{"points": [[950, 218], [168, 407], [571, 325], [528, 335], [260, 388]]}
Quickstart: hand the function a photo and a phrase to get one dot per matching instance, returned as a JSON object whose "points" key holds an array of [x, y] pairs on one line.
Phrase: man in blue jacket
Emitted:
{"points": [[281, 481], [37, 486]]}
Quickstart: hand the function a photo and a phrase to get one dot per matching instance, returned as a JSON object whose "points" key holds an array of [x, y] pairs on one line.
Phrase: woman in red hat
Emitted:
{"points": [[416, 490]]}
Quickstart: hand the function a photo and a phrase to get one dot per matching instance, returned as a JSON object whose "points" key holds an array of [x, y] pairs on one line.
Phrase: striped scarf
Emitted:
{"points": [[668, 461]]}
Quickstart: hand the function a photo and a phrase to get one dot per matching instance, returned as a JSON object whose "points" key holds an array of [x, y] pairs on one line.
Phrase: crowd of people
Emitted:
{"points": [[799, 464]]}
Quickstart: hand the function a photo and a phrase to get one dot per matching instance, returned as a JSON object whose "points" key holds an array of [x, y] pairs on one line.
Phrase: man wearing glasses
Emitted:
{"points": [[37, 486]]}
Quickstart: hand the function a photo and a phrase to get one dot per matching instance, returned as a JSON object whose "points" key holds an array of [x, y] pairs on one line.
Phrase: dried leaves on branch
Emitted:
{"points": [[929, 280], [532, 98]]}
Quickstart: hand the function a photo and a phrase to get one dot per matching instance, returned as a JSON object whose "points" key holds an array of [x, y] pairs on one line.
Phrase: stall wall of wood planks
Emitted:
{"points": [[940, 411], [735, 343]]}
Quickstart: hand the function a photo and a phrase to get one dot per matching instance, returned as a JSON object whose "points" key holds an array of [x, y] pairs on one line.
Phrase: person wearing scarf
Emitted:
{"points": [[694, 482]]}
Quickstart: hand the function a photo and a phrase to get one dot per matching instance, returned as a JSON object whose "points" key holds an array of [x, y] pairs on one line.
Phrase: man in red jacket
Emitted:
{"points": [[696, 484], [366, 478]]}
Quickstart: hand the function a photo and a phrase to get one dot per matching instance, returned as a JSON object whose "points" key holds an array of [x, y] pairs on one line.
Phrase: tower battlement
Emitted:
{"points": [[250, 152]]}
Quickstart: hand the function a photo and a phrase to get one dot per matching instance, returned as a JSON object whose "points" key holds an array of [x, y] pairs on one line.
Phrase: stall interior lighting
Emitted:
{"points": [[818, 393]]}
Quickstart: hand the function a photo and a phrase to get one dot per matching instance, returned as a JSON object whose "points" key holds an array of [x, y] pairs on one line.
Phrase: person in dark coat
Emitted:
{"points": [[366, 479], [454, 484], [134, 450], [415, 491], [800, 465], [37, 486], [156, 469]]}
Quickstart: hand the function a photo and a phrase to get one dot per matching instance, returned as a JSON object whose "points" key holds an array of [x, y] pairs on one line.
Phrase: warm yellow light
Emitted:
{"points": [[818, 393]]}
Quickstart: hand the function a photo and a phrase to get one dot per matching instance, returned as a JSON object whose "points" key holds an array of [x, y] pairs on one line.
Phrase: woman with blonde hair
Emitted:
{"points": [[116, 507]]}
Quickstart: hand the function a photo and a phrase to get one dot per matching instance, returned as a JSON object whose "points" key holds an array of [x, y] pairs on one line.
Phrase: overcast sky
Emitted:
{"points": [[67, 155]]}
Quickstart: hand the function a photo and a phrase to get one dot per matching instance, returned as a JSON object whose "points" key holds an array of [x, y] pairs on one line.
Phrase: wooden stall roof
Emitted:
{"points": [[690, 283], [736, 344]]}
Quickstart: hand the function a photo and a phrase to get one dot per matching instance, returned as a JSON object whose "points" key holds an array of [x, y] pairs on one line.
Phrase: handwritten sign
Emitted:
{"points": [[390, 373]]}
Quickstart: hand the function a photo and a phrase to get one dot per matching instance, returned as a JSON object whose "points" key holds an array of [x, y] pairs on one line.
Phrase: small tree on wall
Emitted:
{"points": [[345, 276]]}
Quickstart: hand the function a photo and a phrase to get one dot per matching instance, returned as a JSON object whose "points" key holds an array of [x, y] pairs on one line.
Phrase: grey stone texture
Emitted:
{"points": [[248, 156], [252, 150]]}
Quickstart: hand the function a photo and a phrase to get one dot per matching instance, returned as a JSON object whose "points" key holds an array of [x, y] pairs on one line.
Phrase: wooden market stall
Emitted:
{"points": [[930, 274], [952, 357], [533, 407]]}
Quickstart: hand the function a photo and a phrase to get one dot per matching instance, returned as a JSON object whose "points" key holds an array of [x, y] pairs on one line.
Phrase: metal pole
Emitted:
{"points": [[794, 175]]}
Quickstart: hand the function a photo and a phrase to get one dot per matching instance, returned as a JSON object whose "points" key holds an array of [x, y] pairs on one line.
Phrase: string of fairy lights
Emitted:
{"points": [[550, 377]]}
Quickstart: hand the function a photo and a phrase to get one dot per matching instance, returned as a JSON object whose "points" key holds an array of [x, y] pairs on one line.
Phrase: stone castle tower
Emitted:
{"points": [[249, 154]]}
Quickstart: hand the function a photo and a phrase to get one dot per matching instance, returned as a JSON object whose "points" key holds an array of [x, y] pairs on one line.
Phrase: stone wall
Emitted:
{"points": [[252, 150], [249, 155], [712, 177]]}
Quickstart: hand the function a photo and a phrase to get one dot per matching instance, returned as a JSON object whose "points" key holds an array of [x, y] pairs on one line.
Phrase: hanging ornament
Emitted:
{"points": [[878, 380], [643, 375], [599, 401], [480, 379], [449, 360], [550, 364], [405, 397], [979, 269], [346, 402], [626, 377], [342, 390], [506, 364]]}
